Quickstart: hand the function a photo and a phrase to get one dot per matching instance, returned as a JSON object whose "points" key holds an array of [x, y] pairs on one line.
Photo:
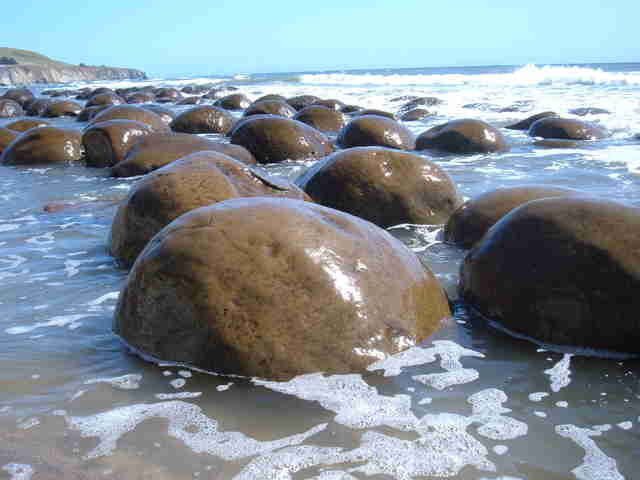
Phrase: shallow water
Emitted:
{"points": [[471, 403]]}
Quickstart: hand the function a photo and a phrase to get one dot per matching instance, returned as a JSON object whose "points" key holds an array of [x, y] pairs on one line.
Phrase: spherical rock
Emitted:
{"points": [[527, 122], [167, 94], [141, 97], [270, 107], [463, 136], [10, 108], [164, 113], [44, 145], [190, 101], [235, 101], [373, 111], [131, 112], [471, 221], [321, 118], [562, 270], [419, 102], [6, 137], [302, 101], [25, 124], [157, 150], [37, 106], [373, 130], [107, 98], [203, 119], [18, 95], [330, 103], [385, 186], [273, 139], [63, 108], [565, 128], [581, 112], [275, 288], [88, 113], [194, 181], [107, 143], [415, 114]]}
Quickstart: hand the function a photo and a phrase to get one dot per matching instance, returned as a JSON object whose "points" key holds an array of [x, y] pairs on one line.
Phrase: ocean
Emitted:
{"points": [[469, 403]]}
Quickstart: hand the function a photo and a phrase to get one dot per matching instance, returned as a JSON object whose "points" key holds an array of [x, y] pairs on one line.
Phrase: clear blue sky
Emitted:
{"points": [[221, 36]]}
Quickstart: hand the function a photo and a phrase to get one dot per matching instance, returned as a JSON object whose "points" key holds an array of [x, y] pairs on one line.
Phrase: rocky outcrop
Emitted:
{"points": [[29, 74]]}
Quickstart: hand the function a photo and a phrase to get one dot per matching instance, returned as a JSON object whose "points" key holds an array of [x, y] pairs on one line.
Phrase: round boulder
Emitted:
{"points": [[25, 124], [37, 106], [165, 114], [107, 143], [415, 114], [270, 107], [194, 181], [276, 288], [527, 122], [273, 139], [106, 98], [302, 101], [463, 136], [18, 95], [373, 111], [562, 270], [471, 221], [203, 119], [157, 150], [373, 130], [321, 118], [385, 186], [565, 128], [44, 145], [131, 112], [6, 137], [63, 108], [235, 101], [10, 108]]}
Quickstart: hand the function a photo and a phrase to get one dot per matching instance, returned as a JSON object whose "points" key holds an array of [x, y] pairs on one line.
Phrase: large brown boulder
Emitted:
{"points": [[141, 97], [165, 114], [107, 143], [373, 130], [6, 137], [25, 124], [565, 128], [373, 111], [10, 108], [270, 107], [167, 94], [19, 95], [415, 114], [37, 106], [302, 101], [105, 98], [44, 145], [235, 101], [463, 136], [276, 288], [131, 112], [194, 181], [63, 108], [471, 221], [273, 139], [157, 150], [383, 185], [203, 119], [88, 113], [321, 118], [527, 122], [562, 270]]}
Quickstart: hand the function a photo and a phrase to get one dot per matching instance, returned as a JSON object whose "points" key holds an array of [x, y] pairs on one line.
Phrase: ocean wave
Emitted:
{"points": [[524, 76]]}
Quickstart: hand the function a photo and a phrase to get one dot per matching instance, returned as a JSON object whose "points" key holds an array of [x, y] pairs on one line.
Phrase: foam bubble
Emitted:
{"points": [[18, 471], [596, 465], [537, 396], [57, 321], [560, 373], [104, 298], [178, 383], [488, 411], [625, 425], [222, 388], [186, 422], [125, 382], [177, 395], [500, 449]]}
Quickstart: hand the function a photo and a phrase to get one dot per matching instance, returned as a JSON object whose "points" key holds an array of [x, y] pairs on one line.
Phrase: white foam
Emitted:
{"points": [[104, 298], [8, 227], [562, 404], [596, 465], [537, 396], [177, 395], [222, 388], [29, 423], [540, 414], [500, 449], [488, 412], [625, 425], [185, 373], [186, 422], [18, 471], [124, 382], [560, 373], [178, 383], [57, 321]]}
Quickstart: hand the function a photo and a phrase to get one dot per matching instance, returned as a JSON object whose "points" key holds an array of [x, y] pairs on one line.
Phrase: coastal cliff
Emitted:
{"points": [[29, 74]]}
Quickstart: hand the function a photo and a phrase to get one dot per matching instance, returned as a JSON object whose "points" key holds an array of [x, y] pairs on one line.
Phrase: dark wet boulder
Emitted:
{"points": [[527, 122], [157, 150], [6, 137], [106, 143], [349, 109], [385, 186], [463, 136], [235, 101], [373, 130], [10, 108], [302, 101], [88, 113], [18, 95], [131, 112], [42, 146], [419, 102], [63, 108], [165, 114], [108, 98], [561, 270], [276, 288], [193, 181], [270, 107], [271, 97], [141, 97], [203, 119], [565, 128], [330, 103], [471, 221], [415, 114], [190, 101], [321, 118], [26, 124], [167, 95], [273, 139], [37, 106], [374, 111], [581, 112]]}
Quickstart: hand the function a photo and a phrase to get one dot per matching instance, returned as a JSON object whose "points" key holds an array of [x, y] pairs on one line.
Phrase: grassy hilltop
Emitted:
{"points": [[27, 57]]}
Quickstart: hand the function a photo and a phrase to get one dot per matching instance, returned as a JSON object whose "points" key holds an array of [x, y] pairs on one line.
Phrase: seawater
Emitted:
{"points": [[470, 403]]}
